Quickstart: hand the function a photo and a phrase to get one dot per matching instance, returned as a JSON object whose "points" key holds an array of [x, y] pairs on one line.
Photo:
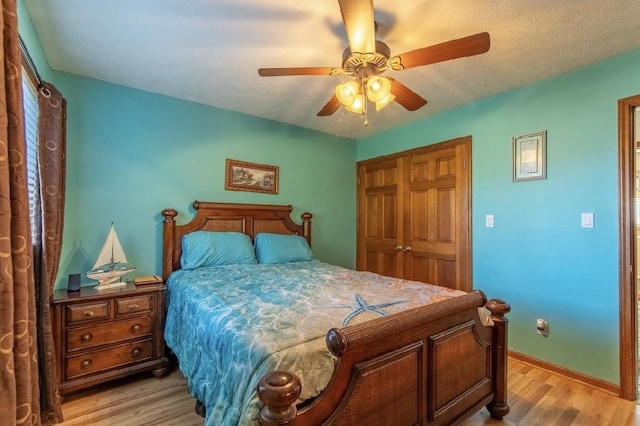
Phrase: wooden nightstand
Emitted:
{"points": [[105, 335]]}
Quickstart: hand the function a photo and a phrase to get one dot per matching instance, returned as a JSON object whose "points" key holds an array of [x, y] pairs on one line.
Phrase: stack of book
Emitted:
{"points": [[148, 279]]}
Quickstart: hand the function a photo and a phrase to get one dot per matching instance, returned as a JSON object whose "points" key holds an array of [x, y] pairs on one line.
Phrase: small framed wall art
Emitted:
{"points": [[530, 157], [243, 176]]}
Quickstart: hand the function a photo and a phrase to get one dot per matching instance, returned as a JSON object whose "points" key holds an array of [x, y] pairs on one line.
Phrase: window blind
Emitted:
{"points": [[30, 101]]}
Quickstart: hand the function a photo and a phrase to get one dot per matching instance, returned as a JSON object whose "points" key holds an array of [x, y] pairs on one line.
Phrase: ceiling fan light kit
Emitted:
{"points": [[378, 88], [352, 94], [347, 92], [385, 101], [358, 105], [367, 58]]}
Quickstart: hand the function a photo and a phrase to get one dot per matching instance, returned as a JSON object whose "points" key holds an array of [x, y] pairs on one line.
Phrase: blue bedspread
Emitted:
{"points": [[229, 325]]}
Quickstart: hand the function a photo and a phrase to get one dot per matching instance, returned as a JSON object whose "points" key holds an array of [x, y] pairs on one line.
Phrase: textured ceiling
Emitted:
{"points": [[208, 51]]}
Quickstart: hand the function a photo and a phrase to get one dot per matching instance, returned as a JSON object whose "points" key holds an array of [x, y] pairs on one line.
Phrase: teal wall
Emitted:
{"points": [[537, 257], [131, 154]]}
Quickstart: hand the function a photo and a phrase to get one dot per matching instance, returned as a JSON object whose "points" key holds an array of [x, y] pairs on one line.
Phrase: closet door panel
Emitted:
{"points": [[414, 214], [378, 225], [431, 237]]}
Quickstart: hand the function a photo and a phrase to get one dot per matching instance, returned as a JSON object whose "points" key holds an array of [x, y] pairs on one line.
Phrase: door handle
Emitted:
{"points": [[407, 249], [397, 248]]}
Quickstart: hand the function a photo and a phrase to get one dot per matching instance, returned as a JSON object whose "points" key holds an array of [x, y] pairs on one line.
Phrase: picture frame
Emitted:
{"points": [[252, 177], [530, 156]]}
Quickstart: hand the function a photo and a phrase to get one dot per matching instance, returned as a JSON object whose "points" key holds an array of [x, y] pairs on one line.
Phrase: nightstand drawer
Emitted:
{"points": [[88, 311], [109, 358], [88, 337], [133, 304]]}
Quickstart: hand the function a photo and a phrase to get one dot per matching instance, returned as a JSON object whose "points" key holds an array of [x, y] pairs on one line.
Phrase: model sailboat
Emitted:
{"points": [[111, 264]]}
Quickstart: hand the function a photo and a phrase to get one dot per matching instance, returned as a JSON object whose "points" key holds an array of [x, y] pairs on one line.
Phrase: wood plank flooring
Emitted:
{"points": [[537, 397], [135, 401]]}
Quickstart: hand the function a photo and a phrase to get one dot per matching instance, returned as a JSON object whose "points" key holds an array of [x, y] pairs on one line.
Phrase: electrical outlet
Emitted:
{"points": [[542, 327]]}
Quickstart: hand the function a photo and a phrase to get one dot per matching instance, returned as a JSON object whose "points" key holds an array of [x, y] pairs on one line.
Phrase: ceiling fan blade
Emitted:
{"points": [[276, 72], [467, 46], [359, 25], [406, 97], [331, 107]]}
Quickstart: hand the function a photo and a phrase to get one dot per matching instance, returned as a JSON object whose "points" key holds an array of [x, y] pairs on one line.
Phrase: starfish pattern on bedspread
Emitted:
{"points": [[360, 306]]}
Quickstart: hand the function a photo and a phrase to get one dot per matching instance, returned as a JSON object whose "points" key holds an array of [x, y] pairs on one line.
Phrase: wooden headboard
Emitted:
{"points": [[250, 219]]}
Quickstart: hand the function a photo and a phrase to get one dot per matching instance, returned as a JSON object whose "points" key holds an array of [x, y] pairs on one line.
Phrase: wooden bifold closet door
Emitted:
{"points": [[414, 214]]}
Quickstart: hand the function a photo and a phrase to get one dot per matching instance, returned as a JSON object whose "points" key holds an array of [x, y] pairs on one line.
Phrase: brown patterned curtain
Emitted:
{"points": [[52, 172], [19, 390]]}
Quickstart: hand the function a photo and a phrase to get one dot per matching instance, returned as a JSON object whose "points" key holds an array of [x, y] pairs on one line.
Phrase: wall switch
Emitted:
{"points": [[489, 221], [587, 220]]}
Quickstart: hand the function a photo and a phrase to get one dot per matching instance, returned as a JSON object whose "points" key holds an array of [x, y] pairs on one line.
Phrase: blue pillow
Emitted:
{"points": [[280, 248], [205, 248]]}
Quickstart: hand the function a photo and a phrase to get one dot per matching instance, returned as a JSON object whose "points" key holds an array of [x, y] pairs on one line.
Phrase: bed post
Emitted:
{"points": [[168, 232], [499, 406], [278, 391], [306, 226]]}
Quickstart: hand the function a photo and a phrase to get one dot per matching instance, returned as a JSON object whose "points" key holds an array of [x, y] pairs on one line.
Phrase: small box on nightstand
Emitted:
{"points": [[74, 282]]}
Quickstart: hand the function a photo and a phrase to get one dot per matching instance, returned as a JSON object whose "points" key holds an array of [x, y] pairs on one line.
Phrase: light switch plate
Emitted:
{"points": [[587, 220], [489, 221]]}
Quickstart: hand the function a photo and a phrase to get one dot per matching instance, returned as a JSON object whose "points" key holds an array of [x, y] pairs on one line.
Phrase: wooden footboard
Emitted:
{"points": [[434, 365]]}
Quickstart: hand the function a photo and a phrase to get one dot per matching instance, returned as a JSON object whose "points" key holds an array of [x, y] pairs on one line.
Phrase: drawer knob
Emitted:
{"points": [[86, 337], [85, 364], [87, 314], [134, 306], [136, 328], [136, 352]]}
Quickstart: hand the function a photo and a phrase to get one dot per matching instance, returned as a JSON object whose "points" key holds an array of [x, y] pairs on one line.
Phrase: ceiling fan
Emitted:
{"points": [[367, 58]]}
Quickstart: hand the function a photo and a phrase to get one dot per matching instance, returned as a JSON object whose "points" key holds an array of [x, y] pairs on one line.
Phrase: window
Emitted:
{"points": [[30, 102]]}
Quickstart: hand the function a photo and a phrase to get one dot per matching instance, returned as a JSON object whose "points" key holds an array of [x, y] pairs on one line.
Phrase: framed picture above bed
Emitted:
{"points": [[253, 177]]}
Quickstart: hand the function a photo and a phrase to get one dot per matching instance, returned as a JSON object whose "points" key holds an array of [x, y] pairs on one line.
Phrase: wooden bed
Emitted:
{"points": [[433, 365]]}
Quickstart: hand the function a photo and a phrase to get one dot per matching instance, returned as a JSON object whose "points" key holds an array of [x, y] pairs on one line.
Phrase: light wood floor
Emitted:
{"points": [[537, 397]]}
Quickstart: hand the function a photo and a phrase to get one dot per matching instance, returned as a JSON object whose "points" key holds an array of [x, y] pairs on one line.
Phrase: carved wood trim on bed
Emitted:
{"points": [[436, 364], [250, 219]]}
